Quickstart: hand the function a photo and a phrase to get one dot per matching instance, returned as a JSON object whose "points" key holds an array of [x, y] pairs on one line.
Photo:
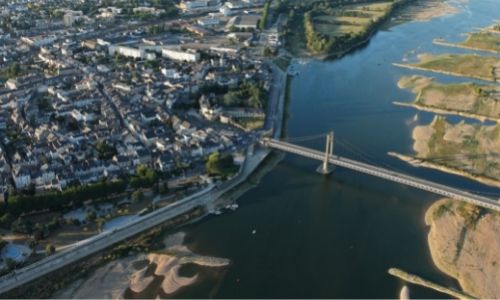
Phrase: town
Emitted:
{"points": [[101, 99]]}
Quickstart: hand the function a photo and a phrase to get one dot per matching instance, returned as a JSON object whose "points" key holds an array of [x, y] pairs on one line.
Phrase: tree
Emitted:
{"points": [[105, 151], [91, 215], [10, 263], [38, 232], [32, 244], [222, 165], [50, 249], [6, 220], [137, 196], [265, 16]]}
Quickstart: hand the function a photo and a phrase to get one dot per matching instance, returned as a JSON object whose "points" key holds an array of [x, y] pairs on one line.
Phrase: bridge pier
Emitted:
{"points": [[325, 167]]}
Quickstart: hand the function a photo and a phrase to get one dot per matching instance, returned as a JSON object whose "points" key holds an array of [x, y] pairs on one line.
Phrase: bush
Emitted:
{"points": [[50, 249], [6, 220], [222, 165]]}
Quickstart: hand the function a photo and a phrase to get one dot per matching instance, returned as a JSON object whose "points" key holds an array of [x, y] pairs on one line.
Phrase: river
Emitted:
{"points": [[337, 236]]}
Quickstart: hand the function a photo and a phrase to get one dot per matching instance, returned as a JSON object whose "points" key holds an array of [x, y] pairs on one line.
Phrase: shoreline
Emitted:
{"points": [[446, 112], [413, 67], [461, 46], [417, 162]]}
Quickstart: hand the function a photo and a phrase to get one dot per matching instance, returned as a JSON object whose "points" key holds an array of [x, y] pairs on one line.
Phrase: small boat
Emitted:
{"points": [[234, 206], [254, 231]]}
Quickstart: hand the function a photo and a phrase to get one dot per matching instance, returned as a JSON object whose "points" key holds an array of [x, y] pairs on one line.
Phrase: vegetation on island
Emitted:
{"points": [[328, 27], [469, 99], [482, 41], [468, 65], [467, 149]]}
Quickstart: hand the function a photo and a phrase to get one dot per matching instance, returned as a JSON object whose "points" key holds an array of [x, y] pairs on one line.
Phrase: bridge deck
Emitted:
{"points": [[415, 182]]}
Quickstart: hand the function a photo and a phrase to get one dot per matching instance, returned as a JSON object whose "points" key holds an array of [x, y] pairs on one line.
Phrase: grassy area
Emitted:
{"points": [[475, 66], [482, 41], [464, 98], [250, 123]]}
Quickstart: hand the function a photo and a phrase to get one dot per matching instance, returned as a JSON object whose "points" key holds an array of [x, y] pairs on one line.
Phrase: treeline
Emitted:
{"points": [[73, 196], [265, 16], [57, 200], [316, 43]]}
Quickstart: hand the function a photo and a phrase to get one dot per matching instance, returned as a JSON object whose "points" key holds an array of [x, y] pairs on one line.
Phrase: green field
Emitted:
{"points": [[471, 99], [474, 66]]}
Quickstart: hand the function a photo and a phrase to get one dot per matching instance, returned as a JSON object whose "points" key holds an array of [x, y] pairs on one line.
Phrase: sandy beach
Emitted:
{"points": [[469, 254], [138, 272]]}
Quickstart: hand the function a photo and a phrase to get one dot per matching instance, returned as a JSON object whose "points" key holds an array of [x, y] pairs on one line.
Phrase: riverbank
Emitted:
{"points": [[464, 244]]}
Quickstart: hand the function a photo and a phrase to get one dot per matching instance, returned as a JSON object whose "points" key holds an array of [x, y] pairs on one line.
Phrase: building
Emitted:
{"points": [[126, 51], [245, 21], [70, 17], [39, 40], [180, 55], [209, 21], [199, 5]]}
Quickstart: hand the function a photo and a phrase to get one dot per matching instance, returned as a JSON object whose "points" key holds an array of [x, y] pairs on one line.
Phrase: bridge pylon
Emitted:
{"points": [[325, 167]]}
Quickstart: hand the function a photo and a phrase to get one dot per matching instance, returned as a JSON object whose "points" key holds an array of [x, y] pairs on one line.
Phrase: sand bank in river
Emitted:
{"points": [[469, 150], [464, 245], [424, 11], [137, 273]]}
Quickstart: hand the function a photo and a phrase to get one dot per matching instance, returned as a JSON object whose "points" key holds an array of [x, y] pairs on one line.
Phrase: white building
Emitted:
{"points": [[180, 55], [125, 51], [200, 5], [148, 10]]}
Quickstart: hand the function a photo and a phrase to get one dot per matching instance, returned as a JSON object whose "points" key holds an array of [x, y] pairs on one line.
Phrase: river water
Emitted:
{"points": [[337, 236]]}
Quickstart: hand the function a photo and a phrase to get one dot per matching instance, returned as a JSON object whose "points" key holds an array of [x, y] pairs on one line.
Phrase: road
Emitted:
{"points": [[415, 182]]}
